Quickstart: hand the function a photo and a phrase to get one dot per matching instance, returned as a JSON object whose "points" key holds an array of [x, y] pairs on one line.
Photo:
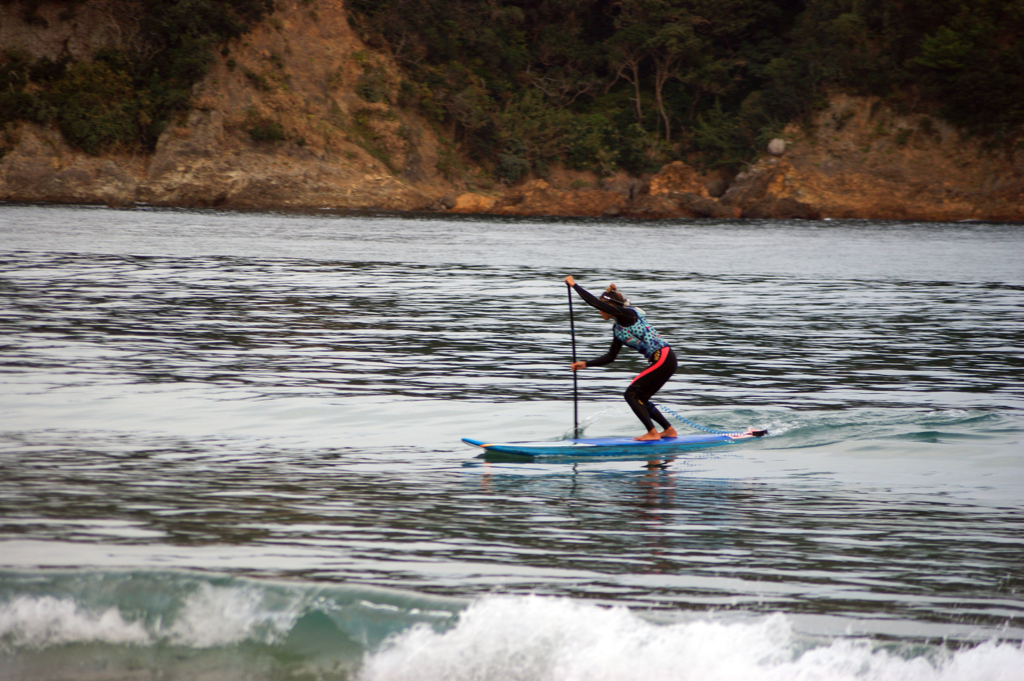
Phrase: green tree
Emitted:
{"points": [[128, 94], [97, 106]]}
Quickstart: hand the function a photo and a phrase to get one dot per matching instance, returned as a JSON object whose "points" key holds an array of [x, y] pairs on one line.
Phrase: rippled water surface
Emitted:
{"points": [[230, 446]]}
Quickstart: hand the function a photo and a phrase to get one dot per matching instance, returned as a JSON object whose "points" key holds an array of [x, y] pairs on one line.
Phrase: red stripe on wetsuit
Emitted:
{"points": [[654, 367]]}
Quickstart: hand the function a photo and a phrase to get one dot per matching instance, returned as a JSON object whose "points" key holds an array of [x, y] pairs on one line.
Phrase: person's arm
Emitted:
{"points": [[624, 316], [606, 358]]}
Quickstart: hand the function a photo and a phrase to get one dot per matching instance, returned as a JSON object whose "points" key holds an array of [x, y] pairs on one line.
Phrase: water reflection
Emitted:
{"points": [[671, 539]]}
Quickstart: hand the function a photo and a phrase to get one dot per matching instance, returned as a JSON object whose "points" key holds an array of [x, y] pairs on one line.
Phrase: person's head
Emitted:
{"points": [[614, 296]]}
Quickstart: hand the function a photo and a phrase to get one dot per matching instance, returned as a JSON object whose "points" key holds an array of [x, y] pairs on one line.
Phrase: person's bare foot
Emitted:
{"points": [[652, 434], [669, 432]]}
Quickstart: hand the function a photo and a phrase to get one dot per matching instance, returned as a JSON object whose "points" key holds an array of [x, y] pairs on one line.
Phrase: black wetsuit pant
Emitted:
{"points": [[639, 393]]}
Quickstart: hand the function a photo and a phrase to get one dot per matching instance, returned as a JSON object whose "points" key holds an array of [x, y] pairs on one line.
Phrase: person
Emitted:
{"points": [[632, 329]]}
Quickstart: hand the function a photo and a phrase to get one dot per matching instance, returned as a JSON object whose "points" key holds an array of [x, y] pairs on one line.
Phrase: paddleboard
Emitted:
{"points": [[610, 446]]}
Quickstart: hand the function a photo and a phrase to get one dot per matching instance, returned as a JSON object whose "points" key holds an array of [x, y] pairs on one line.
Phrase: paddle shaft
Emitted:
{"points": [[575, 400]]}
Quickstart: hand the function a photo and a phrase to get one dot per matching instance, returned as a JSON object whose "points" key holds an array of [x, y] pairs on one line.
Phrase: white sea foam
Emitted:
{"points": [[215, 616], [520, 638], [207, 617], [542, 639], [46, 620]]}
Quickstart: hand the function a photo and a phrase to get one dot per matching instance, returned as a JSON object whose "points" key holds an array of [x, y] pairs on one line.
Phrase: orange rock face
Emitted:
{"points": [[473, 203], [677, 178], [856, 159], [539, 198], [860, 160]]}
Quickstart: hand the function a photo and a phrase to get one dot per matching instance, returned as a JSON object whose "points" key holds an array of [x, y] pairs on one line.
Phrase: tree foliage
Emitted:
{"points": [[127, 95], [597, 84], [629, 84]]}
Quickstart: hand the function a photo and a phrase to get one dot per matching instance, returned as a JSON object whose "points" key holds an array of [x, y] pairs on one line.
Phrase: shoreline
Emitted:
{"points": [[444, 213], [200, 166], [856, 157]]}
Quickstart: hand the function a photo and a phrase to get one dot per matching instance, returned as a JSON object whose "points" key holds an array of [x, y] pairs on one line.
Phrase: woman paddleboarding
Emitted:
{"points": [[632, 329]]}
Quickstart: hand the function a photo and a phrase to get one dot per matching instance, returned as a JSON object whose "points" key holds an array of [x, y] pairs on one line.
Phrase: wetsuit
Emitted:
{"points": [[632, 329]]}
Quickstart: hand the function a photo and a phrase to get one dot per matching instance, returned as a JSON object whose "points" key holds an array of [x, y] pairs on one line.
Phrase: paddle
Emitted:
{"points": [[575, 402]]}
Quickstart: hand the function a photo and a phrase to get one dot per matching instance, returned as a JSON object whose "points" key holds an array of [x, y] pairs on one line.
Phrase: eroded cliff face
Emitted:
{"points": [[297, 75], [294, 75], [858, 159]]}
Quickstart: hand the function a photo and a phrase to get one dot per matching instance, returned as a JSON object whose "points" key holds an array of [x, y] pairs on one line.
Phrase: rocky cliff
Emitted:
{"points": [[277, 123], [859, 159], [293, 77]]}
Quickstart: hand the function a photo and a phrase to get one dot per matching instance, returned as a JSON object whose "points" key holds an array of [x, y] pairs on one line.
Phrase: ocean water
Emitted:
{"points": [[230, 449]]}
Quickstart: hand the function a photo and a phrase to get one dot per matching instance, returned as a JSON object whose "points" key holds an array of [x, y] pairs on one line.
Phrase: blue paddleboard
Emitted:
{"points": [[607, 446]]}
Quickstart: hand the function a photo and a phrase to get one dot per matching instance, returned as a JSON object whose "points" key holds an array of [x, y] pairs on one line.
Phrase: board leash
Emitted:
{"points": [[713, 431]]}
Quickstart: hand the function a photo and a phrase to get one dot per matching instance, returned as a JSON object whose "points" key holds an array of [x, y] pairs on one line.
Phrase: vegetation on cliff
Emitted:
{"points": [[601, 85], [128, 93], [606, 84]]}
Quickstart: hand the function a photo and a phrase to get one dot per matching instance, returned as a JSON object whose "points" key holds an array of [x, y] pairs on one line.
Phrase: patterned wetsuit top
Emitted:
{"points": [[631, 328], [640, 335]]}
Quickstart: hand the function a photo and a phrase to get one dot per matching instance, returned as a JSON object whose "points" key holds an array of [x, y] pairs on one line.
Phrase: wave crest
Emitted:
{"points": [[543, 639]]}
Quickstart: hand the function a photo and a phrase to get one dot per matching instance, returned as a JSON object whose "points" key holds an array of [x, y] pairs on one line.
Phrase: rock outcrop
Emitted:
{"points": [[674, 192], [678, 191], [859, 159], [539, 198], [299, 74]]}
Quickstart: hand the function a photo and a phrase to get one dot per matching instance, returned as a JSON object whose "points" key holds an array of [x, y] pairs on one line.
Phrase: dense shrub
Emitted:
{"points": [[96, 106], [637, 81], [599, 84], [267, 131], [125, 96]]}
